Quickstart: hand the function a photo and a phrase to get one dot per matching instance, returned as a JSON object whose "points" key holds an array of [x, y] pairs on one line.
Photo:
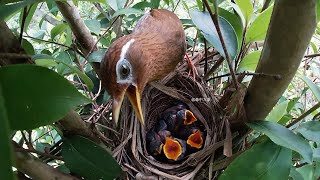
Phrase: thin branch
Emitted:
{"points": [[213, 68], [38, 152], [265, 5], [174, 8], [95, 44], [59, 44], [214, 17], [312, 55], [275, 76], [36, 169], [315, 107]]}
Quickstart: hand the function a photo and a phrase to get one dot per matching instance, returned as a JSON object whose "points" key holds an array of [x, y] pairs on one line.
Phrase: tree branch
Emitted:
{"points": [[284, 48], [80, 30], [36, 169], [214, 17], [315, 107], [10, 44]]}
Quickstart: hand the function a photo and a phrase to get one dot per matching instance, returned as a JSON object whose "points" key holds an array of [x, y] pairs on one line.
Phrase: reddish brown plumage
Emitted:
{"points": [[159, 45]]}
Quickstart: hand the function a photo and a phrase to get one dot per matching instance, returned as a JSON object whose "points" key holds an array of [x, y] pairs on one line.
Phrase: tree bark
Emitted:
{"points": [[10, 44], [36, 169], [291, 27], [79, 29]]}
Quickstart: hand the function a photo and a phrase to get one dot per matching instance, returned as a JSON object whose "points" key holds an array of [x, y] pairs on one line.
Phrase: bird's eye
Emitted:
{"points": [[125, 70]]}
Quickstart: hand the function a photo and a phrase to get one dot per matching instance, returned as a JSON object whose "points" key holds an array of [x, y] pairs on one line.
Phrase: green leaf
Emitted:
{"points": [[278, 112], [97, 56], [142, 5], [93, 25], [5, 141], [258, 28], [204, 22], [28, 19], [283, 137], [313, 87], [58, 29], [246, 9], [116, 4], [28, 47], [235, 22], [318, 10], [127, 11], [155, 4], [44, 60], [307, 172], [40, 95], [316, 154], [87, 159], [310, 130], [295, 174], [263, 161], [250, 61], [82, 75], [9, 9]]}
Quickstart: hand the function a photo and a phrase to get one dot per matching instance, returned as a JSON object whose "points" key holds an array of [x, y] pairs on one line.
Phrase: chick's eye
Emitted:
{"points": [[125, 70]]}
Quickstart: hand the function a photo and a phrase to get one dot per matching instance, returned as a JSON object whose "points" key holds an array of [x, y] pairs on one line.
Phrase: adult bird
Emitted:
{"points": [[156, 45]]}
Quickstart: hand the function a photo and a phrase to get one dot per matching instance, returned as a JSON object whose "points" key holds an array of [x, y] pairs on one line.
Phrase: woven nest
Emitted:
{"points": [[130, 150]]}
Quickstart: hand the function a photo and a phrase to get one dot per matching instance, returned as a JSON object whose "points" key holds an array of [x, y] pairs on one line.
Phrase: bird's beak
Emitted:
{"points": [[134, 97], [116, 106], [135, 100]]}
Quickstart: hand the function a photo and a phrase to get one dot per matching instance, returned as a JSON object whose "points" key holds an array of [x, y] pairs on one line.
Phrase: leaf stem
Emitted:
{"points": [[304, 115], [214, 17]]}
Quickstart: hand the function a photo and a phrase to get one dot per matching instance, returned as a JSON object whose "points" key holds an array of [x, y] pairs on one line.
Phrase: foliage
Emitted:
{"points": [[34, 97]]}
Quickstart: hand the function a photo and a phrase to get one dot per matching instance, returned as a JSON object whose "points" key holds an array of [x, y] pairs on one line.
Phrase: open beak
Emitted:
{"points": [[134, 97]]}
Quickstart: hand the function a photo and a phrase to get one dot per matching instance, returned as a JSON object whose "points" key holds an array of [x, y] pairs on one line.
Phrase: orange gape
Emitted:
{"points": [[156, 45]]}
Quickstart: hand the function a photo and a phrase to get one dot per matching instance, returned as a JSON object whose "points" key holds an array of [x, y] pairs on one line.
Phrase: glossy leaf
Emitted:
{"points": [[82, 75], [278, 112], [307, 172], [316, 154], [87, 159], [263, 161], [142, 5], [258, 28], [97, 56], [28, 47], [40, 95], [44, 60], [127, 11], [295, 174], [283, 137], [250, 61], [246, 9], [116, 4], [313, 87], [58, 29], [93, 25], [318, 10], [204, 22], [310, 130], [235, 22], [9, 9], [31, 10], [155, 4], [5, 141]]}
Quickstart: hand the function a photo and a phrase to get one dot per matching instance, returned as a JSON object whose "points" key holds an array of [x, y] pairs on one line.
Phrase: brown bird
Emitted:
{"points": [[156, 45]]}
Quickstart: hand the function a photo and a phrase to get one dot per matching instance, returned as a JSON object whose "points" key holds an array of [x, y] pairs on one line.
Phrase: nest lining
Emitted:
{"points": [[131, 152]]}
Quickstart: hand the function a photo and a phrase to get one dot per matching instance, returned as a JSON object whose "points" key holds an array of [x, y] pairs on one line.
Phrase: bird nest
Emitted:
{"points": [[130, 150]]}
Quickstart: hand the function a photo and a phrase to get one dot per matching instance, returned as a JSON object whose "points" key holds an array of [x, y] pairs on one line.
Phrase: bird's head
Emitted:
{"points": [[120, 75]]}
